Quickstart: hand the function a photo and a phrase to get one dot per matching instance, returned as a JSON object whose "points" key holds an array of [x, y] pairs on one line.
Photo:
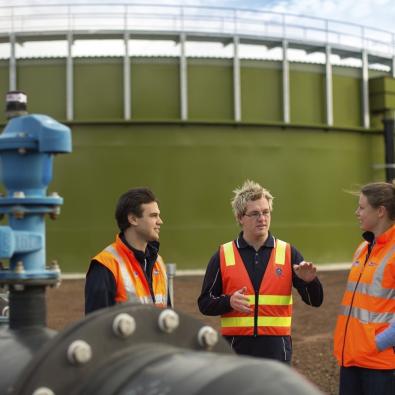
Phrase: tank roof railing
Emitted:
{"points": [[95, 18]]}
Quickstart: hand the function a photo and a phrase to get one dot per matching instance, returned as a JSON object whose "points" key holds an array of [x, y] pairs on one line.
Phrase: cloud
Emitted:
{"points": [[378, 14]]}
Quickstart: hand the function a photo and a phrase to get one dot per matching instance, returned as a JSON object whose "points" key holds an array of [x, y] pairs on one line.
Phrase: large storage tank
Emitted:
{"points": [[280, 99]]}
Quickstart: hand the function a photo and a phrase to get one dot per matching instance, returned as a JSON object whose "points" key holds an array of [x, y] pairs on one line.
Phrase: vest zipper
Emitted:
{"points": [[352, 301], [256, 314]]}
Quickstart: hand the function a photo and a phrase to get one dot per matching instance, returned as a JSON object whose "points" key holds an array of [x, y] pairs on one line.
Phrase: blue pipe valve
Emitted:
{"points": [[27, 147]]}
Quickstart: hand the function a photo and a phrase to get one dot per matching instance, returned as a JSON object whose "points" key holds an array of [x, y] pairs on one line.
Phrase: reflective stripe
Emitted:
{"points": [[379, 274], [359, 250], [371, 290], [366, 316], [145, 299], [229, 254], [375, 288], [237, 321], [249, 321], [275, 300], [272, 300], [280, 252], [274, 321], [160, 299], [127, 281]]}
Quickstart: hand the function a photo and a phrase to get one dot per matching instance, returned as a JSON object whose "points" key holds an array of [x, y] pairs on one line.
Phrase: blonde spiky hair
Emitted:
{"points": [[249, 191]]}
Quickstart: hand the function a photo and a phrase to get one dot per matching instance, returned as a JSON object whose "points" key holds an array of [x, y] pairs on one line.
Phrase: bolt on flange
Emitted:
{"points": [[168, 320], [79, 352], [207, 337], [124, 325]]}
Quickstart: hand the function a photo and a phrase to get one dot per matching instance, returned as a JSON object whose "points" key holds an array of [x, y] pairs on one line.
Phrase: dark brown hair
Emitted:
{"points": [[130, 203]]}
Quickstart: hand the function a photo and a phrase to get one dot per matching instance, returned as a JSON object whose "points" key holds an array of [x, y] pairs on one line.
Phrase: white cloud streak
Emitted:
{"points": [[373, 13]]}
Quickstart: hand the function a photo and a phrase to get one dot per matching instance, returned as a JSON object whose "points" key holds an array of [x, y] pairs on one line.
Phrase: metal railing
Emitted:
{"points": [[134, 17]]}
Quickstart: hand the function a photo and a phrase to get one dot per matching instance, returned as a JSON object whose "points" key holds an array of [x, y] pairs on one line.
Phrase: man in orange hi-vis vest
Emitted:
{"points": [[364, 341], [130, 268], [249, 281]]}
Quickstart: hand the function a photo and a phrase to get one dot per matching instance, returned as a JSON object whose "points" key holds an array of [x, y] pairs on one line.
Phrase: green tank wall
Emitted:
{"points": [[3, 86], [307, 94], [193, 170], [261, 91], [194, 166], [155, 90]]}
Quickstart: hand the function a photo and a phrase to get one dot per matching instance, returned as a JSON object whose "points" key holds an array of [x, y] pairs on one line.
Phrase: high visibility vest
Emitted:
{"points": [[368, 306], [129, 277], [271, 308]]}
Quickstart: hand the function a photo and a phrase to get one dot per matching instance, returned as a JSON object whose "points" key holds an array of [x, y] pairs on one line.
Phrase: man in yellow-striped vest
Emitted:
{"points": [[130, 269], [249, 281]]}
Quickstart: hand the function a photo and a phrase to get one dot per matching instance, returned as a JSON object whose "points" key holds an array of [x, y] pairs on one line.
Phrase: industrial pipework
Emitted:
{"points": [[126, 349], [27, 147]]}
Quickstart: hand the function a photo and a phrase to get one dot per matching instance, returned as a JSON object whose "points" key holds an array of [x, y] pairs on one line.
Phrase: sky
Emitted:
{"points": [[373, 13]]}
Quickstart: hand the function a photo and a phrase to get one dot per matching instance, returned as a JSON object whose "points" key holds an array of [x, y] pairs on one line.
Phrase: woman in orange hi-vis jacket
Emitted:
{"points": [[364, 342]]}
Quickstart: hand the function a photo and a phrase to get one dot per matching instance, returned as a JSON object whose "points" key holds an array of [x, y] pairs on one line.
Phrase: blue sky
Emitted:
{"points": [[373, 13]]}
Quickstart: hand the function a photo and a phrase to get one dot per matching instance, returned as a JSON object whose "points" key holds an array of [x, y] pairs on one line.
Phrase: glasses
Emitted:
{"points": [[258, 214]]}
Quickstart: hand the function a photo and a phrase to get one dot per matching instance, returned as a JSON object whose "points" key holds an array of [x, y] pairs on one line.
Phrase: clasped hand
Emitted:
{"points": [[240, 302]]}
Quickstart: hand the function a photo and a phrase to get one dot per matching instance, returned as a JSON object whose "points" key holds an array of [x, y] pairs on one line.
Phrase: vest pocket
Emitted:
{"points": [[365, 343]]}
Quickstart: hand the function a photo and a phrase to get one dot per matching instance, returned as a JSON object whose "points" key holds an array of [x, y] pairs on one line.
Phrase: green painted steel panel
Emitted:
{"points": [[44, 82], [155, 86], [382, 101], [193, 170], [210, 86], [3, 86], [155, 90], [261, 91], [98, 88], [347, 97], [307, 94], [382, 94], [381, 84]]}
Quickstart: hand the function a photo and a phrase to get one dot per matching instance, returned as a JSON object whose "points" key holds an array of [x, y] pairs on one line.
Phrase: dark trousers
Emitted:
{"points": [[361, 381]]}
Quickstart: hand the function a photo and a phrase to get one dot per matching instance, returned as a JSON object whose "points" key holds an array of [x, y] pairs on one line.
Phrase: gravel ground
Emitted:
{"points": [[312, 327]]}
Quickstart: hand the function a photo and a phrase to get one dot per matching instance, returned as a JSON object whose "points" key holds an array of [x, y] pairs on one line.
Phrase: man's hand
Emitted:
{"points": [[240, 302], [306, 271]]}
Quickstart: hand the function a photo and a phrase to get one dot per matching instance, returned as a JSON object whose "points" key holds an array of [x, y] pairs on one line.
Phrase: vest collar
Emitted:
{"points": [[241, 243], [386, 236], [150, 253]]}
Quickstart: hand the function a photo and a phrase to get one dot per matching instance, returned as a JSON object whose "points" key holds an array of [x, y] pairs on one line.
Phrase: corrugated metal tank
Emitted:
{"points": [[194, 165]]}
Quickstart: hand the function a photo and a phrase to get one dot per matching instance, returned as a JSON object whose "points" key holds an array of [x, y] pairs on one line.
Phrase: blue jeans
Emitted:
{"points": [[361, 381]]}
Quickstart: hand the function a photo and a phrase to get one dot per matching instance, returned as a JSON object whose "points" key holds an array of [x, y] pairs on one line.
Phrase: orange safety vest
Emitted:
{"points": [[271, 308], [368, 306], [129, 276]]}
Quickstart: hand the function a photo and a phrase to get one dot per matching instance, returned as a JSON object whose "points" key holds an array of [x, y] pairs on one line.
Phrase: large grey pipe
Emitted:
{"points": [[139, 349]]}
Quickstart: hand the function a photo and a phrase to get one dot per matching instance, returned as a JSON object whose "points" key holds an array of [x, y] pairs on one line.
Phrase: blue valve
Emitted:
{"points": [[27, 147]]}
